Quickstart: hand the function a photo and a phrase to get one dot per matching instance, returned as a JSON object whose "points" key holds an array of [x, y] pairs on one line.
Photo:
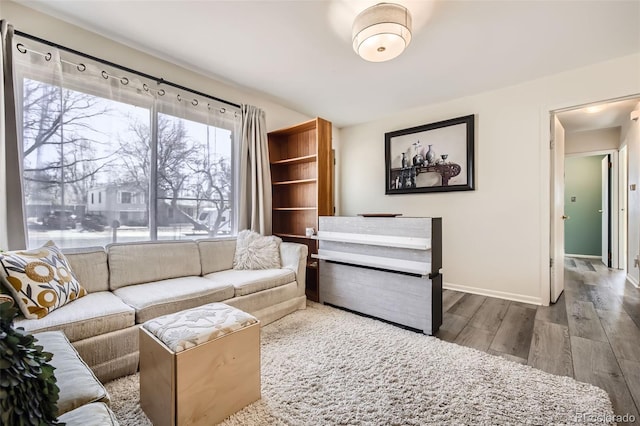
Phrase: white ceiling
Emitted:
{"points": [[599, 116], [299, 53]]}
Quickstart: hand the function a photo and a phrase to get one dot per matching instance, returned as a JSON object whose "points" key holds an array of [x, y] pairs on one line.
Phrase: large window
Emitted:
{"points": [[101, 166]]}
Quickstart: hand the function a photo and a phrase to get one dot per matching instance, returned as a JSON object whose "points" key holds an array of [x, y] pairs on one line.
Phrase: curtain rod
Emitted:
{"points": [[121, 67]]}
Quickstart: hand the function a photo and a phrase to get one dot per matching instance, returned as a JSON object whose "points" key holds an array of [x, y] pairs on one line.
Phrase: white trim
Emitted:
{"points": [[591, 153], [544, 201], [494, 293], [631, 280], [375, 240], [392, 264], [614, 194], [623, 230], [584, 256]]}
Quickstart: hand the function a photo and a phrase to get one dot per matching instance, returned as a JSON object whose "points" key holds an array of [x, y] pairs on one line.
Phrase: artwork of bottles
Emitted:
{"points": [[405, 162]]}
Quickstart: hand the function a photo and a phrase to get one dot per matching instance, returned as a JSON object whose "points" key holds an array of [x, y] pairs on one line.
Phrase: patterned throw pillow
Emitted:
{"points": [[40, 280], [254, 251]]}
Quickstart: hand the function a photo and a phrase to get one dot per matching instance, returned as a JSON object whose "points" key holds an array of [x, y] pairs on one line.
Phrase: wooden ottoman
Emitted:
{"points": [[199, 366]]}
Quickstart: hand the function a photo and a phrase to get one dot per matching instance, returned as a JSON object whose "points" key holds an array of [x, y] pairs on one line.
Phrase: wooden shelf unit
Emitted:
{"points": [[302, 186]]}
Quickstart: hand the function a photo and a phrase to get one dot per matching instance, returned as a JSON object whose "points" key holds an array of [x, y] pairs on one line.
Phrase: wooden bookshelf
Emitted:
{"points": [[302, 186]]}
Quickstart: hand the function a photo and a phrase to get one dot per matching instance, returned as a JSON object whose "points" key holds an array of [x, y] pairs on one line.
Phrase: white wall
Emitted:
{"points": [[630, 136], [592, 140], [57, 31], [496, 238]]}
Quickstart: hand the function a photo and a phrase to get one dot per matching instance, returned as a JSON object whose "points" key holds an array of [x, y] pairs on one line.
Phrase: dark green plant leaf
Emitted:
{"points": [[28, 389]]}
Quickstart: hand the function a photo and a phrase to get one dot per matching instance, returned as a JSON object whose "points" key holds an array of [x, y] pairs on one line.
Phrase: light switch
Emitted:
{"points": [[573, 199]]}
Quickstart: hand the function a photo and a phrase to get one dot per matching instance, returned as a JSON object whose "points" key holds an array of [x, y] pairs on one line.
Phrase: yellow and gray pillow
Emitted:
{"points": [[40, 280]]}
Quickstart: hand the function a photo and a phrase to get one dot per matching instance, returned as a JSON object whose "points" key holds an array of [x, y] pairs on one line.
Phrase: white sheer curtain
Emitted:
{"points": [[255, 173], [209, 150], [12, 224], [149, 160]]}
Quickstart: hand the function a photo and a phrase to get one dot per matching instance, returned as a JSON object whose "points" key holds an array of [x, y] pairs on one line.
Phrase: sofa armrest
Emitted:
{"points": [[294, 257]]}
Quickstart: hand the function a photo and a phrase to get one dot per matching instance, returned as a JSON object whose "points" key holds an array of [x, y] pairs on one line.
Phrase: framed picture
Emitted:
{"points": [[436, 157]]}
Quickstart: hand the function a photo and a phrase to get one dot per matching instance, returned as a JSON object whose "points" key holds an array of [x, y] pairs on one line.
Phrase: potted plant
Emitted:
{"points": [[28, 389]]}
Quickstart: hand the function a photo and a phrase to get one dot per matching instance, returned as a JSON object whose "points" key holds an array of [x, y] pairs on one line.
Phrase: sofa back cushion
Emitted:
{"points": [[90, 266], [216, 255], [143, 262]]}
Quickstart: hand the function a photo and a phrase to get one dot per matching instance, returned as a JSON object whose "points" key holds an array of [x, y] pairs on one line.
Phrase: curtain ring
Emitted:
{"points": [[222, 110], [47, 57], [235, 115], [81, 67], [21, 48], [145, 87], [124, 81], [179, 97], [209, 106], [194, 102], [105, 75], [161, 92]]}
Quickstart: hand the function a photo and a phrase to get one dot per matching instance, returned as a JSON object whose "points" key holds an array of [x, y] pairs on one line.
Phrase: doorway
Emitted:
{"points": [[588, 204], [589, 130]]}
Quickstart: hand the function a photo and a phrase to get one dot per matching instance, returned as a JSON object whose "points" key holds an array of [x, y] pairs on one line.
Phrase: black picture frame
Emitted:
{"points": [[435, 157]]}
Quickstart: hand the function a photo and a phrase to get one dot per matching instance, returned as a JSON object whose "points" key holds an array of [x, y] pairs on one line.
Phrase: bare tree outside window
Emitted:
{"points": [[70, 149], [87, 171]]}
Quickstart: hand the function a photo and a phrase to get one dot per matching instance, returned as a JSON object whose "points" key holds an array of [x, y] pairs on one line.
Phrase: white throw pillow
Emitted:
{"points": [[255, 251]]}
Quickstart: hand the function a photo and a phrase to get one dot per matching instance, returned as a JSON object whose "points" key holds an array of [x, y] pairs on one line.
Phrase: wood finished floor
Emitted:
{"points": [[591, 334]]}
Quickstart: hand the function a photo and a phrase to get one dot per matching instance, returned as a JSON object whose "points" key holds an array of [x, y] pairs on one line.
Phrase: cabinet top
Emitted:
{"points": [[307, 125]]}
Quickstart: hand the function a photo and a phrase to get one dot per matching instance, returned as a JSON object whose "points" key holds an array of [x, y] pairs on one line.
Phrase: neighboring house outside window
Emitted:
{"points": [[125, 198]]}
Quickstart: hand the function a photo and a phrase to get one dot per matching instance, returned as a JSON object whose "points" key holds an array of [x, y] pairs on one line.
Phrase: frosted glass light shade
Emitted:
{"points": [[382, 32]]}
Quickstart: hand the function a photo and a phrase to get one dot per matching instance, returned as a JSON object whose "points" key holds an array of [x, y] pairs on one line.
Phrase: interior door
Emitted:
{"points": [[606, 242], [623, 184], [557, 210]]}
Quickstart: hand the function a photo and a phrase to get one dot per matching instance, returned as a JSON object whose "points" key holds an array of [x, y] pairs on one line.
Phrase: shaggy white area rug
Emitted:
{"points": [[324, 366]]}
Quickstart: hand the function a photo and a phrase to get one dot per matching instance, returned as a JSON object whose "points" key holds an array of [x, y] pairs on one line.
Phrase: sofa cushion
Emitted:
{"points": [[93, 315], [253, 281], [150, 300], [94, 414], [216, 255], [77, 383], [90, 266], [144, 262], [40, 280], [255, 251]]}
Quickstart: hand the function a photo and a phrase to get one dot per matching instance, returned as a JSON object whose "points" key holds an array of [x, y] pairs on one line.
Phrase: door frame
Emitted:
{"points": [[614, 198], [557, 205], [546, 113], [623, 184]]}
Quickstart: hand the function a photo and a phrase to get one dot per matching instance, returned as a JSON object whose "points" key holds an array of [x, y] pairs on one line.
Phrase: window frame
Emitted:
{"points": [[155, 107]]}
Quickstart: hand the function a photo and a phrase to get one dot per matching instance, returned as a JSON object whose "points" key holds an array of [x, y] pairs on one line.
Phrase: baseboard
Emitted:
{"points": [[493, 293], [583, 256], [631, 280]]}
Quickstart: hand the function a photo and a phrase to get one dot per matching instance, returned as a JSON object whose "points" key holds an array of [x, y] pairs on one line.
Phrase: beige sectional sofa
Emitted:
{"points": [[130, 283], [83, 400]]}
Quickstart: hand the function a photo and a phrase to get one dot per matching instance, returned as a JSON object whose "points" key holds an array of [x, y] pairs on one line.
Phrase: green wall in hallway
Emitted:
{"points": [[583, 180]]}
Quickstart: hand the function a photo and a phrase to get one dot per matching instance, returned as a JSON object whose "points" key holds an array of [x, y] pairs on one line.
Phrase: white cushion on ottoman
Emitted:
{"points": [[192, 327]]}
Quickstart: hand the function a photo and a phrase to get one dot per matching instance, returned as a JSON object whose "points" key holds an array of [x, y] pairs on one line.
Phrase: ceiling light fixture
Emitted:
{"points": [[382, 32]]}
